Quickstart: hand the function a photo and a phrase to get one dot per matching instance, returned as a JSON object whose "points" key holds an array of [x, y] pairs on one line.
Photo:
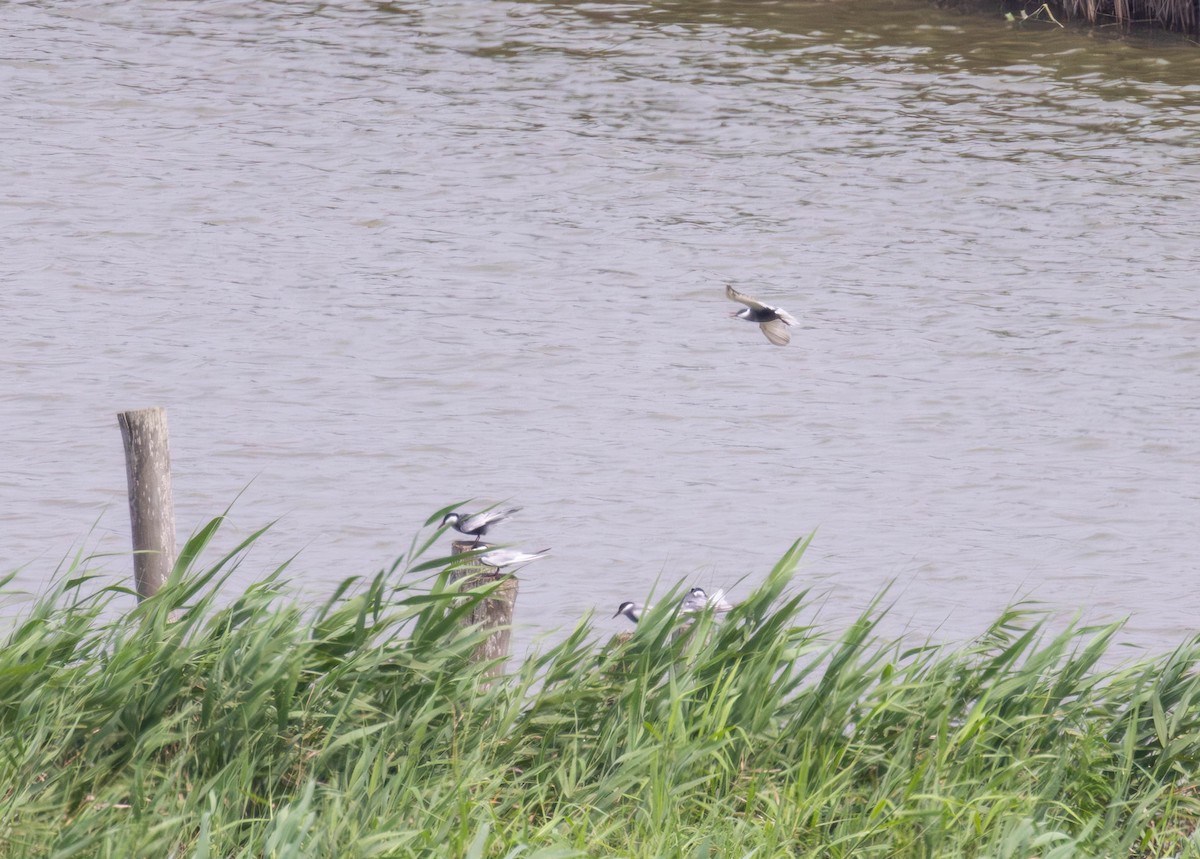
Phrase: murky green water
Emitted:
{"points": [[377, 258]]}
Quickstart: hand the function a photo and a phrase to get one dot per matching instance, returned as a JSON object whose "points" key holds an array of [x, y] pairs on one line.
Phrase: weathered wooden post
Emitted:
{"points": [[151, 510], [494, 612]]}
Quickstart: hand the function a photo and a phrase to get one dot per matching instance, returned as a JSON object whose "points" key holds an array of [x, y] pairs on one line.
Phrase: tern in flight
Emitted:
{"points": [[773, 321]]}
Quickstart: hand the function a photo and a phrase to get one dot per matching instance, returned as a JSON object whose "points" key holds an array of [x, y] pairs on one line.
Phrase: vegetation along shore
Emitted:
{"points": [[1175, 16], [203, 723]]}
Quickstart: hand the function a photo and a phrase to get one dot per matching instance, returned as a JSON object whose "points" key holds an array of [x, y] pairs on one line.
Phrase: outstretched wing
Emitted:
{"points": [[742, 298], [487, 518], [777, 332]]}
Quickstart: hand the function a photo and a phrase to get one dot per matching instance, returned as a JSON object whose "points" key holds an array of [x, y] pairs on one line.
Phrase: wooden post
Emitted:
{"points": [[151, 510], [494, 612]]}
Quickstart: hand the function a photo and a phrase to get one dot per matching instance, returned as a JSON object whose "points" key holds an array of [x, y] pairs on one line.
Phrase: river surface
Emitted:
{"points": [[378, 258]]}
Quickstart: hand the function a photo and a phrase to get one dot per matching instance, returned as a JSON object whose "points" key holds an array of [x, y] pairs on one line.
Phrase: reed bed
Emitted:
{"points": [[204, 724], [1177, 16]]}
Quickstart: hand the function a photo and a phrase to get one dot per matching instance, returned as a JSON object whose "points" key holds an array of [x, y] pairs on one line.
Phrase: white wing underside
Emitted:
{"points": [[777, 332]]}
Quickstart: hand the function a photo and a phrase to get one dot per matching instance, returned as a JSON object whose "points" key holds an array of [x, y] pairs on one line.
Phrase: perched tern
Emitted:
{"points": [[773, 321], [693, 602], [697, 600], [631, 610], [500, 558], [476, 524]]}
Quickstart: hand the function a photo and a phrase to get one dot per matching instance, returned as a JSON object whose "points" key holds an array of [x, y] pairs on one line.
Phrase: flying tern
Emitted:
{"points": [[773, 321]]}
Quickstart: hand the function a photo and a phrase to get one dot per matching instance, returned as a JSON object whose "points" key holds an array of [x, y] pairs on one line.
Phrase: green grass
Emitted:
{"points": [[202, 723]]}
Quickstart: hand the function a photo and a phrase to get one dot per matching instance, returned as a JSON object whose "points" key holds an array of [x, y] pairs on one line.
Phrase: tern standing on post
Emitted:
{"points": [[476, 524], [498, 559]]}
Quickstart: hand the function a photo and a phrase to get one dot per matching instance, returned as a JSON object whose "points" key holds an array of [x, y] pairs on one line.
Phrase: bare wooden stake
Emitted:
{"points": [[495, 612], [151, 510]]}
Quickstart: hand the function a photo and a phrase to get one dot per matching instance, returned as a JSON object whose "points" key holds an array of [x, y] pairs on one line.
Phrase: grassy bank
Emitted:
{"points": [[216, 725]]}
